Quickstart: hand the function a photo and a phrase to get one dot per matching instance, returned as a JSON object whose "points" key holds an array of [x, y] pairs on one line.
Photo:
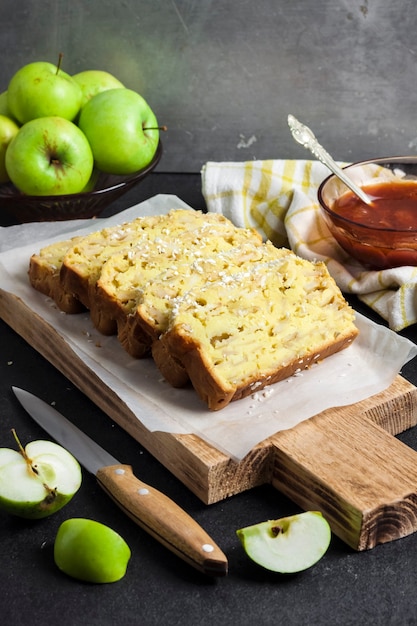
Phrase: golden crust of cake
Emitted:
{"points": [[44, 275], [256, 327], [171, 368]]}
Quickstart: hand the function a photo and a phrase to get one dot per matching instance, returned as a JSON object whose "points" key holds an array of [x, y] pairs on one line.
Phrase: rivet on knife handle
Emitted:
{"points": [[163, 519]]}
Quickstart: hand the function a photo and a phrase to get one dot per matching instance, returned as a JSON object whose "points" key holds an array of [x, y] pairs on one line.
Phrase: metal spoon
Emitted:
{"points": [[303, 135]]}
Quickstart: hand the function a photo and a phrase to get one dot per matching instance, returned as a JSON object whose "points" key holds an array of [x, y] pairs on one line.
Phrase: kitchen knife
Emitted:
{"points": [[149, 508]]}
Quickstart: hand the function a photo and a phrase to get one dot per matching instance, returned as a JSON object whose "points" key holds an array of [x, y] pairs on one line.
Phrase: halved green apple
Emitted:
{"points": [[287, 545], [37, 480]]}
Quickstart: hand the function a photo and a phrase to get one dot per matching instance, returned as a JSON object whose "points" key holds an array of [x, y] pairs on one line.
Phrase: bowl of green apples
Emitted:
{"points": [[71, 145], [18, 208]]}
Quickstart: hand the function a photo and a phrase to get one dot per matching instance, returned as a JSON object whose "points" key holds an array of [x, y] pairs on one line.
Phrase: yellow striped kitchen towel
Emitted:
{"points": [[279, 199]]}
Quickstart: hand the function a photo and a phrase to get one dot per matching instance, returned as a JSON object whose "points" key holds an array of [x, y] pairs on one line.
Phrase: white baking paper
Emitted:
{"points": [[367, 367]]}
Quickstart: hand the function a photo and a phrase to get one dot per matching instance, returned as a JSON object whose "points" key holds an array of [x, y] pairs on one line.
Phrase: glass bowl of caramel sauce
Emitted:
{"points": [[383, 234]]}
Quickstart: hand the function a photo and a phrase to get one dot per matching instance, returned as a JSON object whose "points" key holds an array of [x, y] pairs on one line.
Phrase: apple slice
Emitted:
{"points": [[38, 480], [90, 551], [287, 545]]}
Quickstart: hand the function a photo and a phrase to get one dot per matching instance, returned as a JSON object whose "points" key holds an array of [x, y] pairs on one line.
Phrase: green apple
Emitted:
{"points": [[287, 545], [42, 89], [90, 551], [49, 156], [121, 129], [8, 130], [90, 186], [4, 106], [38, 480], [93, 82]]}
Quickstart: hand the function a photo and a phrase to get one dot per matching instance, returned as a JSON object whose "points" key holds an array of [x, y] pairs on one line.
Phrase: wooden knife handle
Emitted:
{"points": [[163, 519]]}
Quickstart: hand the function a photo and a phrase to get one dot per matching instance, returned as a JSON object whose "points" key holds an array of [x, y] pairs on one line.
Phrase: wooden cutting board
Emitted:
{"points": [[345, 462]]}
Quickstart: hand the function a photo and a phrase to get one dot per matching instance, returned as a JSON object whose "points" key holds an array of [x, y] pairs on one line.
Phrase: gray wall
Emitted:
{"points": [[224, 75]]}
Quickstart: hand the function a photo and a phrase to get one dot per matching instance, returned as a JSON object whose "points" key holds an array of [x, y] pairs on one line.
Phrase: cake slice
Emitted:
{"points": [[256, 327], [44, 275], [83, 261], [152, 315], [159, 295], [124, 276]]}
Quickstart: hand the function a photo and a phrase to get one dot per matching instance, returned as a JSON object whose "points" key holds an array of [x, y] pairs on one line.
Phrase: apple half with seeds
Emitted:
{"points": [[287, 545], [38, 480]]}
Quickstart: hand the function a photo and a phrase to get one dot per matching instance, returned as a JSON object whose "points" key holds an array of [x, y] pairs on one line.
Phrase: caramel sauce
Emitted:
{"points": [[394, 205], [384, 234]]}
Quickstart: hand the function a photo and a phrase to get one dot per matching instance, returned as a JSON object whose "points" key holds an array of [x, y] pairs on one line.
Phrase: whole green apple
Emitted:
{"points": [[90, 551], [122, 131], [8, 129], [287, 545], [42, 89], [38, 480], [93, 82], [49, 156]]}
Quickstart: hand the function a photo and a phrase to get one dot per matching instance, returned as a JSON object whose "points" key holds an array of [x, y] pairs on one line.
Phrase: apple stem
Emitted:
{"points": [[156, 128], [22, 451], [32, 468], [60, 57], [52, 491], [21, 448]]}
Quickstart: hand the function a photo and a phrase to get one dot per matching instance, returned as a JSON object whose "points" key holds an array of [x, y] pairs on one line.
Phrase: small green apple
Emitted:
{"points": [[121, 129], [90, 551], [93, 82], [42, 89], [287, 545], [8, 129], [49, 156], [38, 480]]}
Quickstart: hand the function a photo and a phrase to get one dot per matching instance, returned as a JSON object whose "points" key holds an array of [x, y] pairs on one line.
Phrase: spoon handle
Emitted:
{"points": [[304, 136]]}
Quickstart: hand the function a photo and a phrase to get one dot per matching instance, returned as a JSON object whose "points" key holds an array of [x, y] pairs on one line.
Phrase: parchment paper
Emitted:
{"points": [[367, 367]]}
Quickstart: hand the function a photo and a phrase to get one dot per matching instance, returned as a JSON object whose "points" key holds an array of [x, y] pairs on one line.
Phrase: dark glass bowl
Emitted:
{"points": [[17, 208], [375, 247]]}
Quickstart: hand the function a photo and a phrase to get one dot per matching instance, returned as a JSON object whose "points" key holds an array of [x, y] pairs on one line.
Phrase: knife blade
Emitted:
{"points": [[152, 510]]}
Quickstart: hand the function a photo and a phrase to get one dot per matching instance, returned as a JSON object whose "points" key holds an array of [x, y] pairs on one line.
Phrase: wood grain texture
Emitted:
{"points": [[362, 478], [345, 461]]}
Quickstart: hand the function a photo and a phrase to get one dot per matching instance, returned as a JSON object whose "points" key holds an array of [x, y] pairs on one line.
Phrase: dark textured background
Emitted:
{"points": [[224, 74]]}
